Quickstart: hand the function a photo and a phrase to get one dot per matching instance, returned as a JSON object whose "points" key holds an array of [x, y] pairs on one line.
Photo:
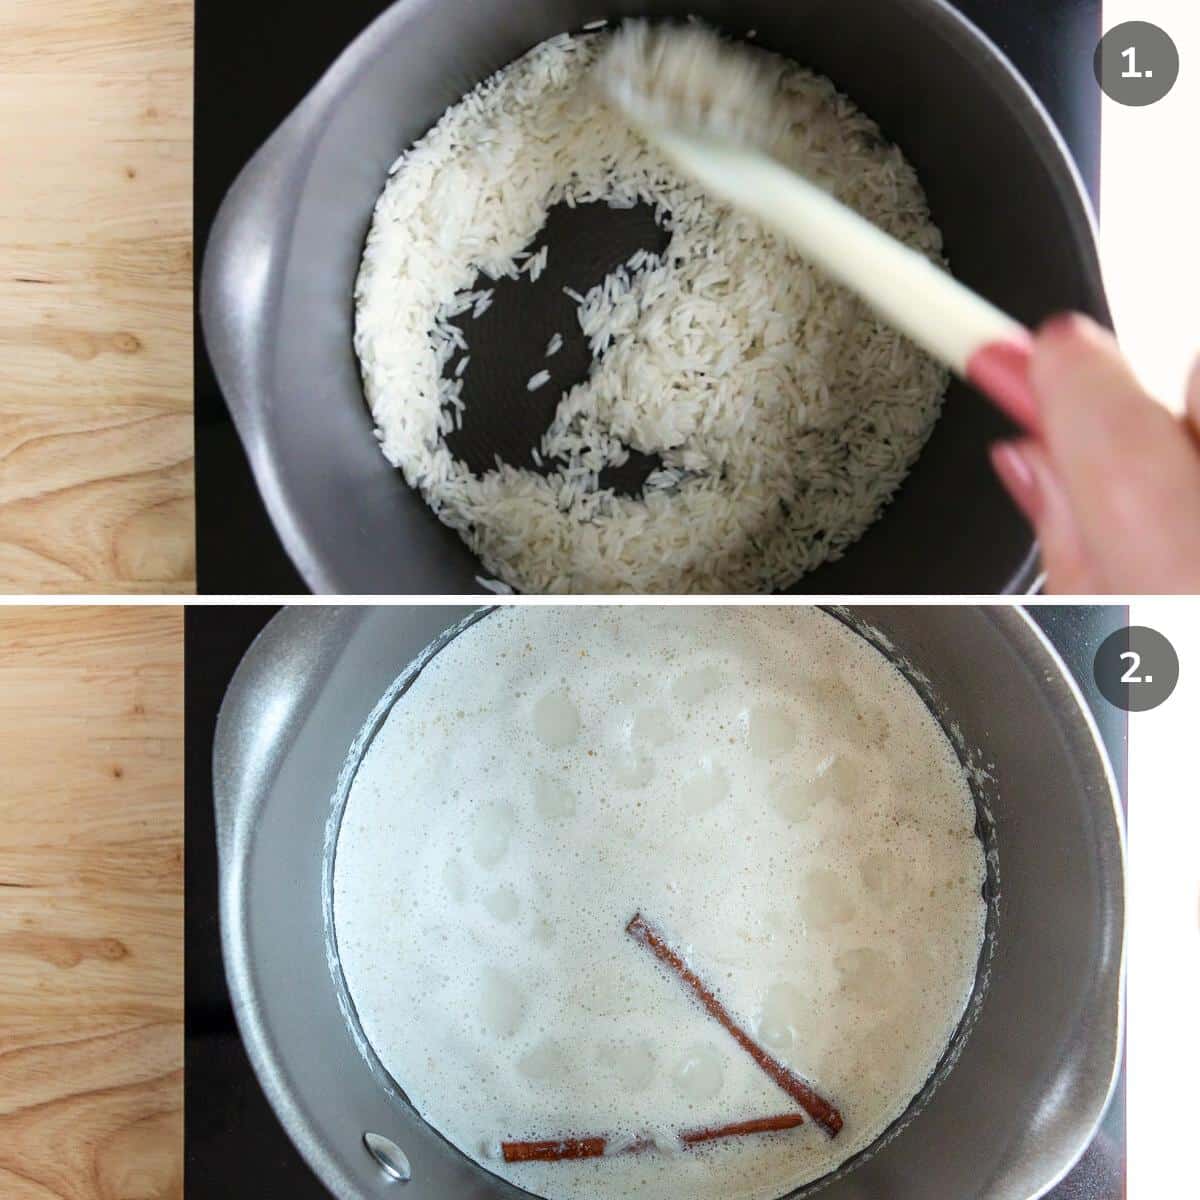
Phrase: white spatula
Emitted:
{"points": [[708, 105]]}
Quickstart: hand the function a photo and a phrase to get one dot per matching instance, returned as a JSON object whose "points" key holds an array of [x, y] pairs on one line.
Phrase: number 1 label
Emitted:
{"points": [[1131, 72]]}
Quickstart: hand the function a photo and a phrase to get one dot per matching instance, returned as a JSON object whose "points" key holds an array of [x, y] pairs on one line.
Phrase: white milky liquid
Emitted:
{"points": [[762, 785]]}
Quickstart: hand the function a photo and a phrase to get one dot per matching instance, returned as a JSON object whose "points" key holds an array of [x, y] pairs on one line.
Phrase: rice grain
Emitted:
{"points": [[784, 415]]}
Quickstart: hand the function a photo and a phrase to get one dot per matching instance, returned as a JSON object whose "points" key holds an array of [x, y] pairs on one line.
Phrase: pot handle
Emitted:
{"points": [[243, 270], [264, 706]]}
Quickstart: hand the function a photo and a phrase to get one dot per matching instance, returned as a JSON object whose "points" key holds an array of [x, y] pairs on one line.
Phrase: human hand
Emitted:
{"points": [[1112, 486]]}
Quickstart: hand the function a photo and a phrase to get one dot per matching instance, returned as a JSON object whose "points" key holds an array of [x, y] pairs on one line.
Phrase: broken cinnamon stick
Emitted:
{"points": [[562, 1149], [694, 1137], [815, 1105], [553, 1151]]}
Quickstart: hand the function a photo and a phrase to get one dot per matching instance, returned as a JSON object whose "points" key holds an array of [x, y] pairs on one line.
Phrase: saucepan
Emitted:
{"points": [[277, 294], [1028, 1074]]}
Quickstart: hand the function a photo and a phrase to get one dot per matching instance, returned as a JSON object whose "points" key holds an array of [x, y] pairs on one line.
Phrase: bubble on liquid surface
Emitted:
{"points": [[825, 900], [501, 1003], [628, 689], [546, 1061], [778, 923], [695, 684], [841, 714], [700, 1072], [884, 875], [455, 880], [651, 727], [706, 788], [770, 732], [632, 770], [866, 974], [632, 1063], [552, 798], [837, 779], [791, 797], [601, 992], [832, 699], [556, 719], [874, 726], [504, 904], [783, 1005], [922, 970], [491, 833], [690, 616], [887, 1049], [906, 779]]}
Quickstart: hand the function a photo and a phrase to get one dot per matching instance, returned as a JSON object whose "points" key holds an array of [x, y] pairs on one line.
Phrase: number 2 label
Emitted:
{"points": [[1136, 668], [1135, 664]]}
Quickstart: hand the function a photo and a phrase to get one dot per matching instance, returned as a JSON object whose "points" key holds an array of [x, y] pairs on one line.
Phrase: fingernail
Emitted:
{"points": [[1016, 474], [1191, 397], [1065, 324], [1001, 371]]}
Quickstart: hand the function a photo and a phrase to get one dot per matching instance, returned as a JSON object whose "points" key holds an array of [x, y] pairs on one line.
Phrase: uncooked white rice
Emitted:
{"points": [[554, 345], [538, 380], [784, 414], [496, 586], [536, 263]]}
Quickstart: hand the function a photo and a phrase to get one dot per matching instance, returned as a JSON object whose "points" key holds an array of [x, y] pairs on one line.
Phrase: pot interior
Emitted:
{"points": [[998, 186]]}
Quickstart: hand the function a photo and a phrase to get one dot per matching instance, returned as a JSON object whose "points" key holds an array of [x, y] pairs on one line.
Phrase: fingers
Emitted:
{"points": [[1027, 474], [1123, 467], [1192, 412]]}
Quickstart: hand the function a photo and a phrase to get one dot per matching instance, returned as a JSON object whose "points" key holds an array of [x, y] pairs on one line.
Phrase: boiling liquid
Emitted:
{"points": [[762, 785]]}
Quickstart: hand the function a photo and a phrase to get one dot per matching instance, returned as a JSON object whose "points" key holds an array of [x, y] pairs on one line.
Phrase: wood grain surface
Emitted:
{"points": [[96, 489], [91, 903]]}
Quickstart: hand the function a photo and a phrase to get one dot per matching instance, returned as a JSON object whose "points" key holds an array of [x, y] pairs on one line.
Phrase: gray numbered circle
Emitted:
{"points": [[1136, 63], [1136, 668]]}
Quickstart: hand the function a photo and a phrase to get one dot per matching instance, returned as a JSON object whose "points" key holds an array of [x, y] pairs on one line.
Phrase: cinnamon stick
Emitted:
{"points": [[562, 1149], [694, 1137], [815, 1105], [553, 1151]]}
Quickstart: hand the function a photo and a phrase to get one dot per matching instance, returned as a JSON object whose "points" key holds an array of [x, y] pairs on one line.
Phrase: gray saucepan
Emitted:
{"points": [[279, 269], [1027, 1077]]}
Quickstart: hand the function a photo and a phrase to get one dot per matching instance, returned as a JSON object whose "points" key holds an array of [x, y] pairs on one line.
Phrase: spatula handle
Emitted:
{"points": [[974, 338]]}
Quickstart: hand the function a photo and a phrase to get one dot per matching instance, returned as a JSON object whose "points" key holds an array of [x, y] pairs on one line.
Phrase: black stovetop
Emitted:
{"points": [[235, 1146], [255, 61]]}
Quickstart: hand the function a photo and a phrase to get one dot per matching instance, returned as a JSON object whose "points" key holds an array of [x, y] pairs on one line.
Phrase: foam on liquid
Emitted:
{"points": [[761, 784]]}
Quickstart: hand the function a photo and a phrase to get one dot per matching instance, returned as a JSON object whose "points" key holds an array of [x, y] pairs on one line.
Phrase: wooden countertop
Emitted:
{"points": [[96, 487], [91, 903]]}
